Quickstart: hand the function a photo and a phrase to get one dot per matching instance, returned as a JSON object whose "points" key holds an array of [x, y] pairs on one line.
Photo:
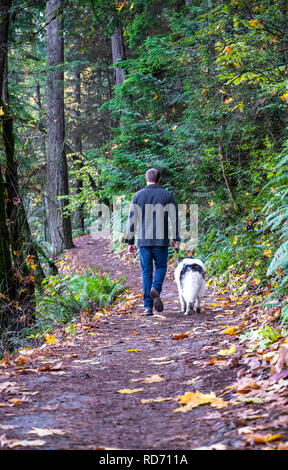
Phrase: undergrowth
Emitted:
{"points": [[60, 302]]}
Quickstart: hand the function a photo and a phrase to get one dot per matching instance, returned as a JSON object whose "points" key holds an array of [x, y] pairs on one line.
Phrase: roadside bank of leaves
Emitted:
{"points": [[259, 348]]}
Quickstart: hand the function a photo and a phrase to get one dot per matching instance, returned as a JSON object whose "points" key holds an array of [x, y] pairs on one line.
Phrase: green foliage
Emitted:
{"points": [[262, 338], [276, 211], [62, 300], [92, 290]]}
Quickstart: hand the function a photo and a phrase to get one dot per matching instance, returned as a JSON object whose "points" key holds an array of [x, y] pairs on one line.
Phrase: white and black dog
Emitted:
{"points": [[190, 280]]}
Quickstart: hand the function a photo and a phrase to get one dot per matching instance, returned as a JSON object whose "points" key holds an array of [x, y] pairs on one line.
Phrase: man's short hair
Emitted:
{"points": [[153, 175]]}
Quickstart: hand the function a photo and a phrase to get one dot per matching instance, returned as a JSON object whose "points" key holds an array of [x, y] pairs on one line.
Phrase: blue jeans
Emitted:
{"points": [[148, 254]]}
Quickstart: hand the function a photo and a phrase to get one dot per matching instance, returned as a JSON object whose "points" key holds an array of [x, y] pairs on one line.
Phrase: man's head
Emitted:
{"points": [[152, 176]]}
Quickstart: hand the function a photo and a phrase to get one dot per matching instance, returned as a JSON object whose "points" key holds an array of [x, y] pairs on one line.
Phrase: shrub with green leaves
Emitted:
{"points": [[276, 211], [64, 297]]}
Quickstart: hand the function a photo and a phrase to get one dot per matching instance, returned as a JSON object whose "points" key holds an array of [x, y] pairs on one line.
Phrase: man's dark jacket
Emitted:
{"points": [[150, 210]]}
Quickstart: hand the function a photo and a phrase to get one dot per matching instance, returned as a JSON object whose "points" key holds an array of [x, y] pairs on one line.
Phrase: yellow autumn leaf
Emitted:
{"points": [[151, 379], [129, 390], [50, 339], [284, 97], [227, 352], [121, 5], [156, 400], [259, 438], [230, 330], [134, 350], [155, 95], [1, 111], [192, 400], [254, 23]]}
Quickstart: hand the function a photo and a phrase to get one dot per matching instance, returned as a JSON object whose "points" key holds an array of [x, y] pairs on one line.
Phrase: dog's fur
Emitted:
{"points": [[190, 280]]}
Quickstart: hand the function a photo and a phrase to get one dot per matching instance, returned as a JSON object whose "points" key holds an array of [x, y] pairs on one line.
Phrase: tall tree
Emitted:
{"points": [[6, 281], [118, 53], [59, 225]]}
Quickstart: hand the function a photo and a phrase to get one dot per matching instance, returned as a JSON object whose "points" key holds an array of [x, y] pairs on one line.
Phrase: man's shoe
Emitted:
{"points": [[147, 312], [157, 302]]}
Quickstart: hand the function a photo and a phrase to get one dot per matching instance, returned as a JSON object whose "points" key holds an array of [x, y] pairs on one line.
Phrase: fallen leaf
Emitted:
{"points": [[192, 381], [42, 432], [230, 330], [49, 367], [180, 336], [128, 390], [15, 401], [250, 399], [156, 400], [50, 339], [150, 379], [192, 400], [259, 438], [244, 388], [50, 407], [227, 352], [212, 361], [11, 443]]}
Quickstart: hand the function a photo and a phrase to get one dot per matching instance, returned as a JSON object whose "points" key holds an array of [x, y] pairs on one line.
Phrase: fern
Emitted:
{"points": [[276, 210]]}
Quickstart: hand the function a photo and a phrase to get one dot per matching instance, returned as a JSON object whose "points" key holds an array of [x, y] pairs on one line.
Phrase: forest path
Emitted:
{"points": [[117, 383]]}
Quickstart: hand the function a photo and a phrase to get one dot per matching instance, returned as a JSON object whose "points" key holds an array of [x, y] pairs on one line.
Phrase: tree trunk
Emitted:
{"points": [[59, 225], [42, 130], [5, 6], [77, 144], [118, 54], [6, 279]]}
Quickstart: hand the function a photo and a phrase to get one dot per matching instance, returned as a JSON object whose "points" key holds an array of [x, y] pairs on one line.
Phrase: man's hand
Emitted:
{"points": [[132, 249], [175, 244]]}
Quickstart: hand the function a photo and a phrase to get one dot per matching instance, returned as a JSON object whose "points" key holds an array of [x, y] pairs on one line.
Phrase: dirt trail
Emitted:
{"points": [[73, 385]]}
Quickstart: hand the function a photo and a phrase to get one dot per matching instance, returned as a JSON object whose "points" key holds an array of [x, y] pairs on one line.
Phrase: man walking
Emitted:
{"points": [[151, 209]]}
